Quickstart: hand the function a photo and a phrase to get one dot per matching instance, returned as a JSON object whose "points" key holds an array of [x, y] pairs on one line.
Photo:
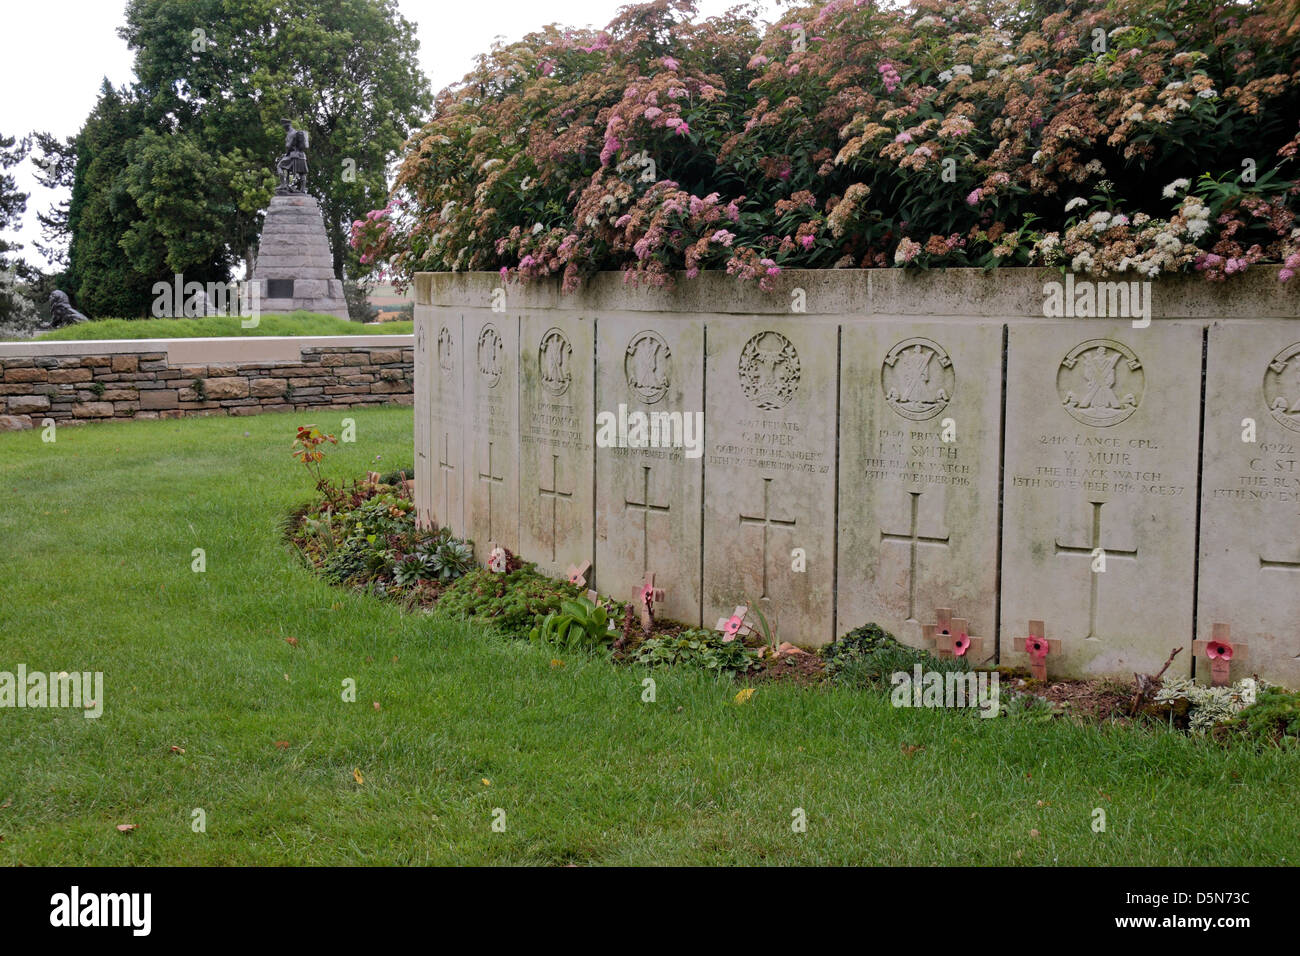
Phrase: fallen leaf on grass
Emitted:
{"points": [[356, 775], [487, 782], [127, 827], [291, 641], [177, 750], [744, 695], [376, 705], [1033, 834], [910, 749], [282, 745], [555, 662]]}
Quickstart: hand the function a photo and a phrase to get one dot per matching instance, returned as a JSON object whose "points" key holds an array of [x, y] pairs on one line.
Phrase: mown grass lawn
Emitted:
{"points": [[220, 326], [96, 536]]}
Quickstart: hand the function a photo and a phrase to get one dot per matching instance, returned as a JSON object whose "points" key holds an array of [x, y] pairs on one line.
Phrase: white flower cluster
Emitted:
{"points": [[961, 69], [1172, 190], [1197, 215], [1075, 203]]}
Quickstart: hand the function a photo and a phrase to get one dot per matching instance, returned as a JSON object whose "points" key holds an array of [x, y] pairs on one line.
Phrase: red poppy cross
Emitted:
{"points": [[577, 573], [734, 626], [1222, 652], [1038, 647], [647, 595], [950, 636]]}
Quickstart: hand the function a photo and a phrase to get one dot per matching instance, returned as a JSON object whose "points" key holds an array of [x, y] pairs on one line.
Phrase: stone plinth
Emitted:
{"points": [[295, 268]]}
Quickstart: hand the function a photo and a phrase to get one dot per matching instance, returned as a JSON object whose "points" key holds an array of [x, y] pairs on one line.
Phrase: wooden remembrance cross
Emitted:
{"points": [[1221, 652], [949, 635], [647, 596]]}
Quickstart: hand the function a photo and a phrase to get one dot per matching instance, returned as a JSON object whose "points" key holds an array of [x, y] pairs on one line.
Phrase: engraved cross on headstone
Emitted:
{"points": [[555, 495], [914, 539], [1282, 565], [491, 478], [766, 521], [1088, 551], [646, 510], [446, 466]]}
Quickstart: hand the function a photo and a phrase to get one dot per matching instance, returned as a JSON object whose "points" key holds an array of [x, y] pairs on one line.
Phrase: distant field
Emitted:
{"points": [[300, 323]]}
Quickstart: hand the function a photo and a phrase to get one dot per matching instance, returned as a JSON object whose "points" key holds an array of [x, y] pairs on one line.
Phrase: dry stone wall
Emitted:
{"points": [[77, 382]]}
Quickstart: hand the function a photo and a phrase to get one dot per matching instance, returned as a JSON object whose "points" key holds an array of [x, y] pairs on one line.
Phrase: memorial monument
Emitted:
{"points": [[295, 268]]}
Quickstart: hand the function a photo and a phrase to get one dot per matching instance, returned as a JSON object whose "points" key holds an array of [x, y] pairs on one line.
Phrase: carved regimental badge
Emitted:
{"points": [[648, 366], [554, 357], [769, 370], [1100, 382], [444, 349], [489, 355], [1282, 387], [918, 379]]}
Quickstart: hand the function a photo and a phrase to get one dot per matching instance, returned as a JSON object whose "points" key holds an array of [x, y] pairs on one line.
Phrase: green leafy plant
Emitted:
{"points": [[1273, 718], [356, 561], [1209, 705], [697, 648], [409, 569], [514, 602], [578, 623], [868, 655], [448, 561], [306, 448]]}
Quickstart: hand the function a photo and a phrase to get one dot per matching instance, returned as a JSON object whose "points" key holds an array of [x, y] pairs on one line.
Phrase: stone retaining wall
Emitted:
{"points": [[76, 382], [887, 446]]}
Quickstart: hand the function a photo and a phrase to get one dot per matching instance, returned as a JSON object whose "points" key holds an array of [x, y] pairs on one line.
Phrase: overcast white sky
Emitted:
{"points": [[55, 53]]}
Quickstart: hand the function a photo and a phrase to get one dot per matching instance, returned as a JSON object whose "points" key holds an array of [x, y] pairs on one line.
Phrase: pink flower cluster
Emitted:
{"points": [[889, 76]]}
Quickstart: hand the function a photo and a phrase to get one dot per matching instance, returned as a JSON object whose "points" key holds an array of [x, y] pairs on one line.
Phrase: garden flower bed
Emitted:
{"points": [[364, 536]]}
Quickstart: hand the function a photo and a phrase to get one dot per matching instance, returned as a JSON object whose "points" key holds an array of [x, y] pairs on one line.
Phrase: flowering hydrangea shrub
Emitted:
{"points": [[1139, 136]]}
